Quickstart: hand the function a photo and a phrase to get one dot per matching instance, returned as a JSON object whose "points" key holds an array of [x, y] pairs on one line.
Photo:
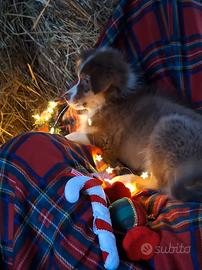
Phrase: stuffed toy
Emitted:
{"points": [[102, 225], [129, 217]]}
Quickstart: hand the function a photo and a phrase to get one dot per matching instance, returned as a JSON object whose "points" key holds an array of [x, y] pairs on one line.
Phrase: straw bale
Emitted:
{"points": [[39, 42]]}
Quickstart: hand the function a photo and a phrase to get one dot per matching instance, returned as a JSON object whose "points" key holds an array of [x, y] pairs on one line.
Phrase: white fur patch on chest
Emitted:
{"points": [[85, 121], [80, 136]]}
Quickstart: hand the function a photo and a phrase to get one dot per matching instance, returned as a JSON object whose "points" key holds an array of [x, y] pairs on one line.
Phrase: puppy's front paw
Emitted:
{"points": [[78, 137]]}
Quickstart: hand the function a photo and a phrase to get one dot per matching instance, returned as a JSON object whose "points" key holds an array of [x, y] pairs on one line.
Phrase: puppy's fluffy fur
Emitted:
{"points": [[142, 130]]}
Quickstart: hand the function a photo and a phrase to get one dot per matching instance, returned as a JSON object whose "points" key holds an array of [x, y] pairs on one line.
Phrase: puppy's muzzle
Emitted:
{"points": [[73, 99]]}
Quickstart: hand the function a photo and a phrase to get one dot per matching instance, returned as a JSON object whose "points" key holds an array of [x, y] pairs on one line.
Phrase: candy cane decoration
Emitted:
{"points": [[102, 225]]}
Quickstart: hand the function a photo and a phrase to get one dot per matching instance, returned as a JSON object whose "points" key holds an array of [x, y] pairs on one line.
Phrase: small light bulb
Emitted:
{"points": [[36, 116], [47, 116], [52, 130], [50, 110], [52, 104], [132, 187], [144, 175], [98, 158], [109, 170]]}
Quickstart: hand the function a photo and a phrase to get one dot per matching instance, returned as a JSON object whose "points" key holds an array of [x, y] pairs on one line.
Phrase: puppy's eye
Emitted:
{"points": [[87, 84]]}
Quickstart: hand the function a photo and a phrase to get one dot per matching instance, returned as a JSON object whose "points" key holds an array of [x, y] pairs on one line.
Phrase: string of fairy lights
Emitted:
{"points": [[47, 115]]}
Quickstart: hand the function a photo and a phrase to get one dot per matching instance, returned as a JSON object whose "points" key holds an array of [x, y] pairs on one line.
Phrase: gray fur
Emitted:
{"points": [[152, 133]]}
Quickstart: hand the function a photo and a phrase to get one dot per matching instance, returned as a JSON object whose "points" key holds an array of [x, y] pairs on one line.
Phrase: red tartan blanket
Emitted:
{"points": [[41, 230], [161, 39]]}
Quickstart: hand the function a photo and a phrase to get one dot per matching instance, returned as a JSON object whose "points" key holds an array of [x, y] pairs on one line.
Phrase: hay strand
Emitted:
{"points": [[39, 42]]}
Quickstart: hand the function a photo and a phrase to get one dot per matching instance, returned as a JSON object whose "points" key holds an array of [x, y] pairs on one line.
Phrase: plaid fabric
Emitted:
{"points": [[180, 228], [163, 40], [41, 230]]}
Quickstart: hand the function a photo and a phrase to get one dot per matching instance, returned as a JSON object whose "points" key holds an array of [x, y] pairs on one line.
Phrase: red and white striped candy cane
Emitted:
{"points": [[102, 225]]}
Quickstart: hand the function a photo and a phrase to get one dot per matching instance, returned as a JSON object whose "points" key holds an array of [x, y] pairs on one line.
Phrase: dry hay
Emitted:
{"points": [[39, 40]]}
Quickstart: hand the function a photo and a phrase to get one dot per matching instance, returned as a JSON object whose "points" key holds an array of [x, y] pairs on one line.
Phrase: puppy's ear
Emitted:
{"points": [[105, 68], [84, 54]]}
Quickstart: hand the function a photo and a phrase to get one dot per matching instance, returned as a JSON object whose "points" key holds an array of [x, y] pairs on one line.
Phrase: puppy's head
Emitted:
{"points": [[103, 74]]}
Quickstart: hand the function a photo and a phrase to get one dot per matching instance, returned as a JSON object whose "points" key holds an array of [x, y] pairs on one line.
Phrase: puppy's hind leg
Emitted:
{"points": [[176, 144]]}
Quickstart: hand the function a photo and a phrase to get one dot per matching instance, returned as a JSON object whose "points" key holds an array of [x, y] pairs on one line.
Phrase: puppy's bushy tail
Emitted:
{"points": [[187, 185]]}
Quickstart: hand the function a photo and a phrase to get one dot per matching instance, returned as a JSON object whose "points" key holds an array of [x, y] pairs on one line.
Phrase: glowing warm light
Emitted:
{"points": [[52, 104], [98, 158], [47, 118], [52, 130], [36, 116], [144, 175], [89, 122], [109, 170], [50, 110], [132, 187]]}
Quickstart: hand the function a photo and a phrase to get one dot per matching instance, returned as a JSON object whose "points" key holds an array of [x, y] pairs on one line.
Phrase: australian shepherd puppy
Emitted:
{"points": [[142, 130]]}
